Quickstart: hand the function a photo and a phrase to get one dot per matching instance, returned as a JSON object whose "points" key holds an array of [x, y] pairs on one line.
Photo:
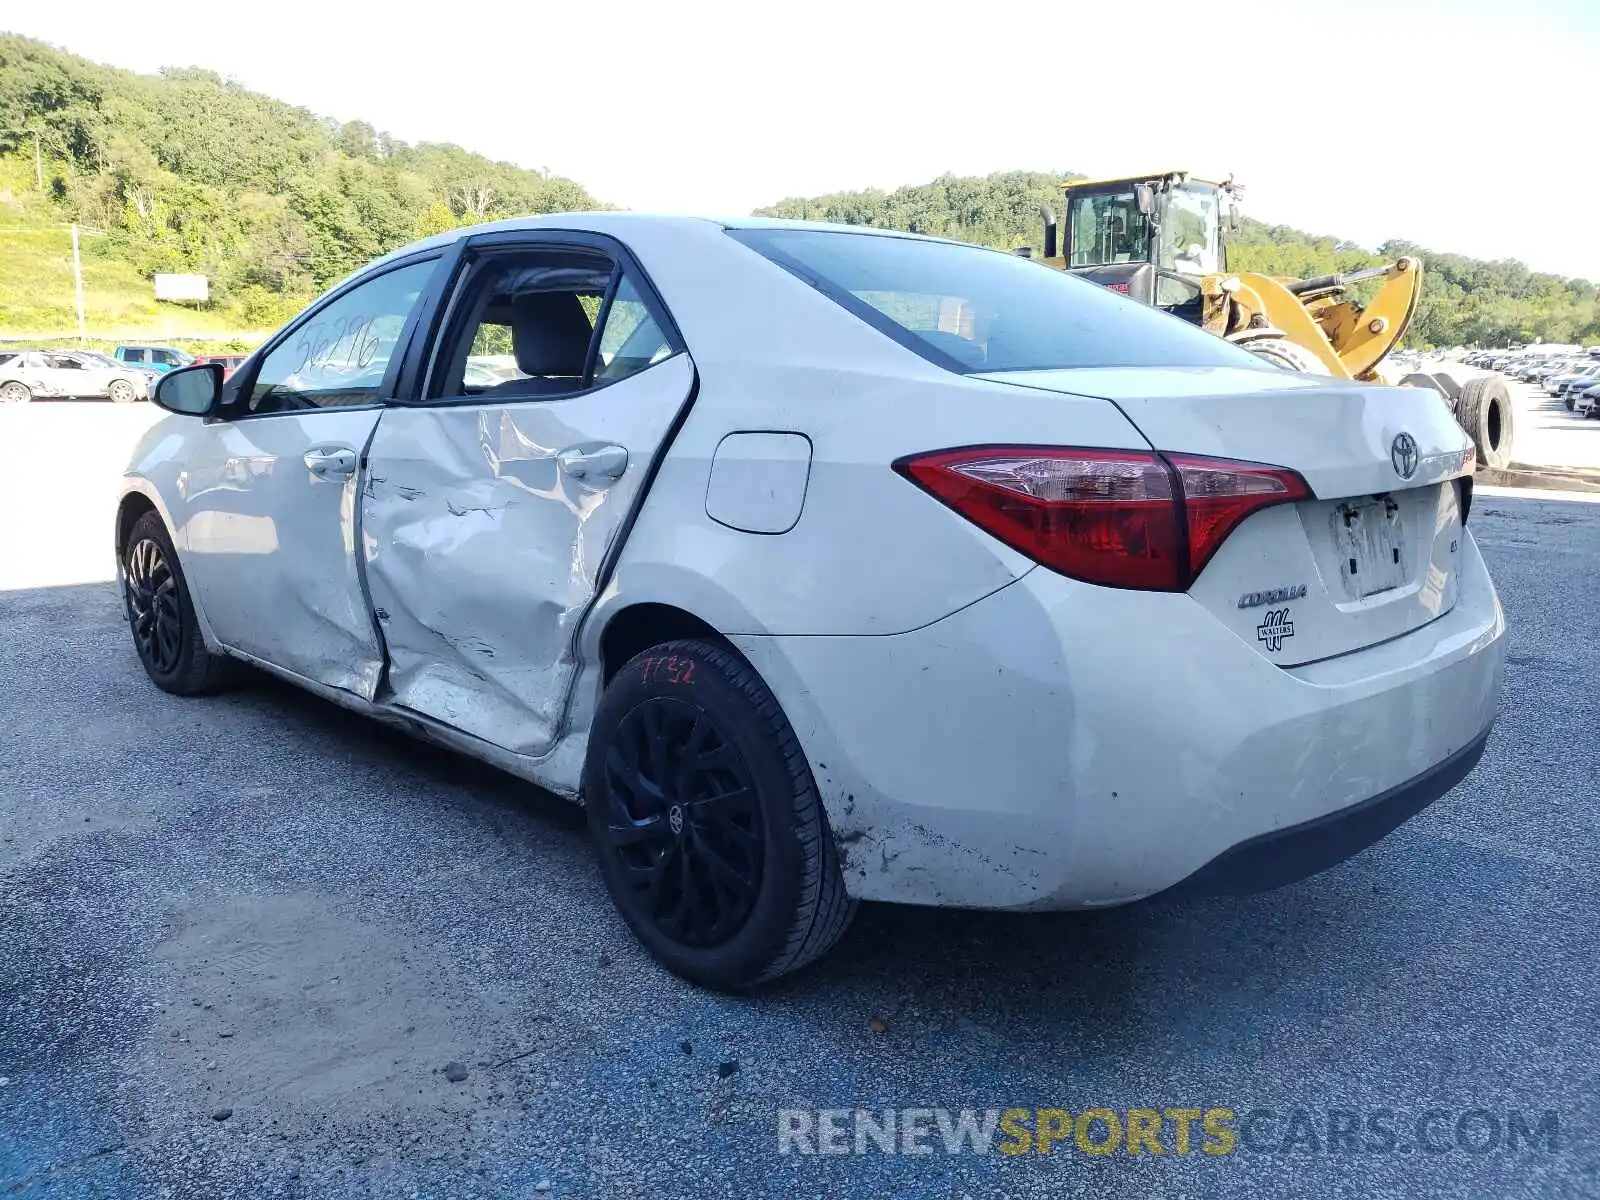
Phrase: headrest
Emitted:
{"points": [[549, 333]]}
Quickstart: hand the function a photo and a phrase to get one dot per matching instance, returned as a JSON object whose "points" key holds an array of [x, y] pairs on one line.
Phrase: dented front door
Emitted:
{"points": [[268, 512], [266, 517], [485, 528]]}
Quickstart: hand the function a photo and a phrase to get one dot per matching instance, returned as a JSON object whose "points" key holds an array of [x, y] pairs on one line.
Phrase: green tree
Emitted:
{"points": [[187, 171]]}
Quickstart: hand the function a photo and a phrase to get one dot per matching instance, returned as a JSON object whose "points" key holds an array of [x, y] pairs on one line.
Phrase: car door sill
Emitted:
{"points": [[420, 726]]}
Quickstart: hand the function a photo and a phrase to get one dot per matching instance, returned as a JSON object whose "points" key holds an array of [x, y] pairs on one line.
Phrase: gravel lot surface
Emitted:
{"points": [[252, 945]]}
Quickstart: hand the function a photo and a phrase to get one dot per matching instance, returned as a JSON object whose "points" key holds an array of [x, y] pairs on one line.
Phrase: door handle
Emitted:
{"points": [[327, 461], [608, 462]]}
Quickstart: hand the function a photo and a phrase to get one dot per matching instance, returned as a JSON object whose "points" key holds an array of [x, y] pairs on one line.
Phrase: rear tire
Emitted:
{"points": [[161, 616], [13, 392], [1484, 411], [710, 833]]}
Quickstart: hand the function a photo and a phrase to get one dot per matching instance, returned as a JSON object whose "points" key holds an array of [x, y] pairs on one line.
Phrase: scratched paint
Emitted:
{"points": [[483, 550]]}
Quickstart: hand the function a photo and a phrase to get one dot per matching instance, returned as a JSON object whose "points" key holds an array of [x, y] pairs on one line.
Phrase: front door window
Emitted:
{"points": [[339, 357]]}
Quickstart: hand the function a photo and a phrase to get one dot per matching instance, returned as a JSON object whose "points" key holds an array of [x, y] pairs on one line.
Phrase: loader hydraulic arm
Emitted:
{"points": [[1349, 339]]}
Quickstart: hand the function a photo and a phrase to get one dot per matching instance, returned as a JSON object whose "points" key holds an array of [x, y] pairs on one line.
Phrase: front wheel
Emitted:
{"points": [[711, 836], [13, 392], [161, 616], [121, 391]]}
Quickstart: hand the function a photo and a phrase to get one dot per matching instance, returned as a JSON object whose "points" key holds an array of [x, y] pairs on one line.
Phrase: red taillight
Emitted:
{"points": [[1219, 493], [1123, 518]]}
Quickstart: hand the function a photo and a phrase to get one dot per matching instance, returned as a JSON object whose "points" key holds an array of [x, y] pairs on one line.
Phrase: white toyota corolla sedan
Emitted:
{"points": [[826, 565]]}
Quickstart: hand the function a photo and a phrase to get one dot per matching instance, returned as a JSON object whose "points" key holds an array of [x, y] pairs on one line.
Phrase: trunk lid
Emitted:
{"points": [[1372, 557]]}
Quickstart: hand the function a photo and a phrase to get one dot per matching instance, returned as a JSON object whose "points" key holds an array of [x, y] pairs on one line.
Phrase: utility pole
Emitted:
{"points": [[77, 282]]}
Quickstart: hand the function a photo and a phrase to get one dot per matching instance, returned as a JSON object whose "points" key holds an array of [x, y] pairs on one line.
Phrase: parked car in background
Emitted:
{"points": [[228, 362], [73, 374], [160, 358], [1578, 378], [1586, 402], [831, 565], [1549, 370], [487, 372], [105, 360]]}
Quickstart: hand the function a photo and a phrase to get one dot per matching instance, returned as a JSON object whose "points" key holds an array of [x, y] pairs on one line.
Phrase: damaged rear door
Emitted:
{"points": [[494, 498]]}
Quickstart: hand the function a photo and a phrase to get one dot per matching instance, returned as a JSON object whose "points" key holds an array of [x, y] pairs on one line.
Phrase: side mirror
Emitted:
{"points": [[190, 391], [1235, 221], [1145, 195]]}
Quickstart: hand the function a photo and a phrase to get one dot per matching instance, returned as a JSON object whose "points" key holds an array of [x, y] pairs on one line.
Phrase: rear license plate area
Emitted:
{"points": [[1369, 536]]}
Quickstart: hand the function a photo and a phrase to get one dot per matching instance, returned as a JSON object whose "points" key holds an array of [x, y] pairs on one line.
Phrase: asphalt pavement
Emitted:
{"points": [[254, 946], [1547, 435]]}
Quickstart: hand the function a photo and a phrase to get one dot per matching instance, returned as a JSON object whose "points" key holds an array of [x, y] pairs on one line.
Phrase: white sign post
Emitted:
{"points": [[77, 282]]}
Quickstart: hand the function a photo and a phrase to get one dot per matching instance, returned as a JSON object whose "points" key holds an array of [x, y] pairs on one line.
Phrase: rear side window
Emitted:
{"points": [[524, 324], [631, 339], [525, 327], [973, 310]]}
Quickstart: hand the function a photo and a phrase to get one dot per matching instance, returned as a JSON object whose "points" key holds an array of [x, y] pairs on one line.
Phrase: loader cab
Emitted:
{"points": [[1153, 238]]}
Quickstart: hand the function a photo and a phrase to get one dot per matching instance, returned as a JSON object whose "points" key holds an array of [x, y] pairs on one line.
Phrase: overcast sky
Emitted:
{"points": [[1466, 125]]}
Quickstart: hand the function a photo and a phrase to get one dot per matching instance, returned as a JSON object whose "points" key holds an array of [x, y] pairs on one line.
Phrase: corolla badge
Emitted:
{"points": [[1403, 455], [1277, 595]]}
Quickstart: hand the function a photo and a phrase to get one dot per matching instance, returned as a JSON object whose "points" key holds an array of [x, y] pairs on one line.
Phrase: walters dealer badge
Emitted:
{"points": [[1275, 629]]}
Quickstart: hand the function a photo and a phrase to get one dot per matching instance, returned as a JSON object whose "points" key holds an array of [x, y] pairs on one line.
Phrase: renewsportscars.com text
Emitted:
{"points": [[1214, 1132]]}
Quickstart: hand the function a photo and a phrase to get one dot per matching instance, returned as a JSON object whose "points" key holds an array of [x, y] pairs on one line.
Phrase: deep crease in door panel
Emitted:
{"points": [[449, 520], [478, 607]]}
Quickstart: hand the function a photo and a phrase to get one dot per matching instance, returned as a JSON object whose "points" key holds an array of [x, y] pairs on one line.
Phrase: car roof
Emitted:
{"points": [[620, 223], [608, 220]]}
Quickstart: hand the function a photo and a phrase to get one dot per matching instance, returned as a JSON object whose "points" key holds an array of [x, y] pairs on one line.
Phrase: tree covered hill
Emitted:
{"points": [[185, 171], [1465, 300]]}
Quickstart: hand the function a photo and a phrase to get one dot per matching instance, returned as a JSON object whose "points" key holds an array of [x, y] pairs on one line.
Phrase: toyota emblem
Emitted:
{"points": [[1403, 454]]}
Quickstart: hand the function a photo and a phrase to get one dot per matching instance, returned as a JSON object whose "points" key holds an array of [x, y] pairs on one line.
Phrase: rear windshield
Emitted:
{"points": [[969, 309]]}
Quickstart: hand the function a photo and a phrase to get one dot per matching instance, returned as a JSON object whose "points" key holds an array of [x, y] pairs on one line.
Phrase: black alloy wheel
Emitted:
{"points": [[154, 612], [711, 836], [684, 826], [161, 616]]}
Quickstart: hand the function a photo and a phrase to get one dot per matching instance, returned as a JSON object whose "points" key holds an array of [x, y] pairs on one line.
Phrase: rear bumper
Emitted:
{"points": [[1284, 856], [1058, 745]]}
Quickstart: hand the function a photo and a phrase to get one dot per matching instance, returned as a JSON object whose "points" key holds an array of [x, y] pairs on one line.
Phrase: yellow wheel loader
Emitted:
{"points": [[1162, 239]]}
